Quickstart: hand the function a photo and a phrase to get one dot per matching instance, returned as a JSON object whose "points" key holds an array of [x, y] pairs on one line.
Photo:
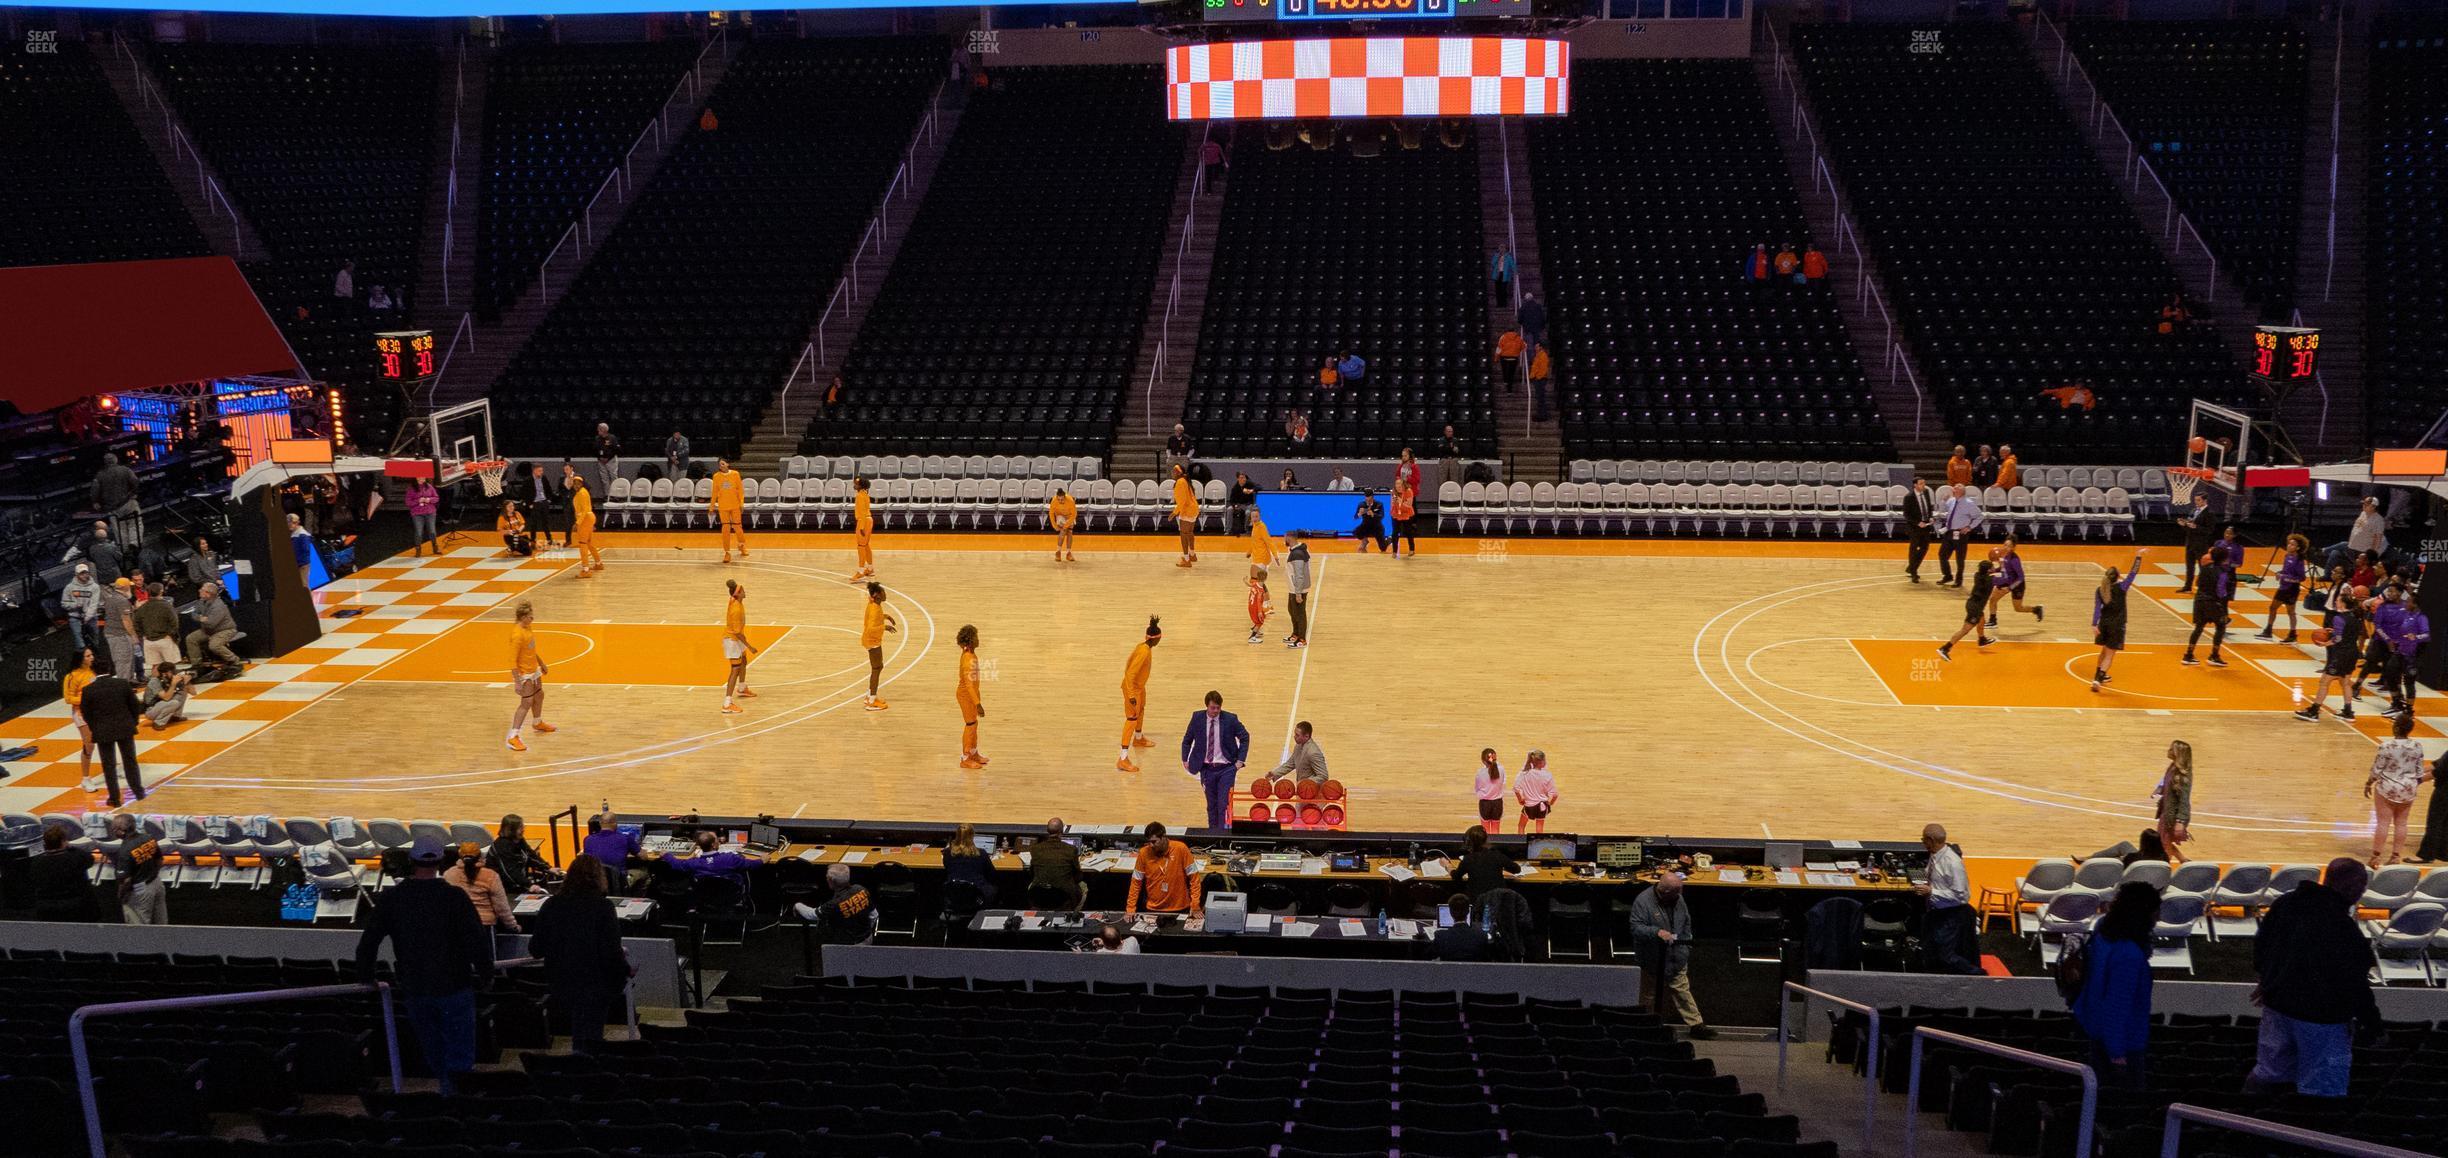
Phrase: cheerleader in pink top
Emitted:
{"points": [[1491, 787], [1535, 788]]}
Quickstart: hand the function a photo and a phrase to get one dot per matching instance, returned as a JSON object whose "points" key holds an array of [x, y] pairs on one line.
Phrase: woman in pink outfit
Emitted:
{"points": [[1535, 788], [424, 502], [1490, 783]]}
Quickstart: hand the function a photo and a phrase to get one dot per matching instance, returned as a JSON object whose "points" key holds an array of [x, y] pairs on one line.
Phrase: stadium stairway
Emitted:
{"points": [[470, 373], [2332, 297], [1917, 425], [158, 123], [774, 438], [446, 275], [1150, 411], [1533, 451]]}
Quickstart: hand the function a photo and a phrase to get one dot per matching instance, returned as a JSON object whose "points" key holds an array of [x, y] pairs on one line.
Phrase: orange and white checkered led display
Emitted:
{"points": [[1406, 76]]}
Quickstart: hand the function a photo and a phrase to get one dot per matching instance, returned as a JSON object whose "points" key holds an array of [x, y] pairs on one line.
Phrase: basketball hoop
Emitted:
{"points": [[488, 474], [2182, 480]]}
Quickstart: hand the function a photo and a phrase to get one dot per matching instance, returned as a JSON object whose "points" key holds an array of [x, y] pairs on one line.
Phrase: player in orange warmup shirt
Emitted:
{"points": [[862, 515], [737, 651], [966, 693], [1186, 515], [1261, 556], [728, 497], [871, 637], [1062, 514], [1134, 694], [527, 672], [582, 521]]}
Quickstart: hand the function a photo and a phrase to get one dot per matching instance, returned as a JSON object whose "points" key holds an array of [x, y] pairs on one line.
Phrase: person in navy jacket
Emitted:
{"points": [[1214, 748]]}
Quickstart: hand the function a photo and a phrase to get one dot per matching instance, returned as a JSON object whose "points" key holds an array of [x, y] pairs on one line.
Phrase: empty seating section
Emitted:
{"points": [[2015, 264], [980, 491], [892, 1072], [2396, 1089], [2408, 199], [2218, 109], [693, 309], [1649, 197], [325, 149], [1011, 318], [79, 184], [557, 118], [1320, 253]]}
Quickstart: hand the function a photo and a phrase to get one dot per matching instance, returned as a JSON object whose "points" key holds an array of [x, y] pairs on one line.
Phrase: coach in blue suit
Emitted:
{"points": [[1214, 748]]}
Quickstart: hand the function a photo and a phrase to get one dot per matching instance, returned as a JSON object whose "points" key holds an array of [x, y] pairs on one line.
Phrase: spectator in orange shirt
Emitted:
{"points": [[1959, 469], [1160, 875], [2010, 468], [1509, 346], [1788, 263], [1814, 263], [1542, 394]]}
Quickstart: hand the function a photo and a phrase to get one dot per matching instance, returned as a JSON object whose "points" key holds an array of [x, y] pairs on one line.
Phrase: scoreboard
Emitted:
{"points": [[404, 356], [1269, 11]]}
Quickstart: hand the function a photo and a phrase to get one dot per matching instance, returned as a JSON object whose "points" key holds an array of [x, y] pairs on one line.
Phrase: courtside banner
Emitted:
{"points": [[1398, 76]]}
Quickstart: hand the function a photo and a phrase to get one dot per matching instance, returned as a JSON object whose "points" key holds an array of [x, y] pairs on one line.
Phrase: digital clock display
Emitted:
{"points": [[2286, 353], [404, 355]]}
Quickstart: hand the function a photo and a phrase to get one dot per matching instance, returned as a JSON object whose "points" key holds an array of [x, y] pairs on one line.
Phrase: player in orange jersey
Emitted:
{"points": [[737, 651], [871, 637], [1262, 556], [527, 672], [582, 521], [1134, 694], [863, 518], [1186, 515], [966, 693], [1062, 514], [729, 495]]}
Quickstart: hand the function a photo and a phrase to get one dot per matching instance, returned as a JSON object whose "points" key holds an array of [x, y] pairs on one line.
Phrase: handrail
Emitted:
{"points": [[2179, 1113], [467, 329], [1912, 1093], [149, 94], [2133, 166], [2319, 379], [450, 189], [804, 355], [904, 179], [1504, 141], [2337, 111], [1870, 1076], [1181, 256], [84, 1060]]}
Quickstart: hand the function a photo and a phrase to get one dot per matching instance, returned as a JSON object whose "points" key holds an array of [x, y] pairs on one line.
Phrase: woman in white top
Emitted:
{"points": [[2396, 771], [1490, 785]]}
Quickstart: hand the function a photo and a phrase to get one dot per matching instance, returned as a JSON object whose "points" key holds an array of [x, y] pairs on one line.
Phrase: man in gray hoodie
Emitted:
{"points": [[1296, 563], [214, 629], [81, 602]]}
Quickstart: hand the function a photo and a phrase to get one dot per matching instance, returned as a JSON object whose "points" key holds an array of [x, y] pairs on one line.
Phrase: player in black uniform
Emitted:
{"points": [[2345, 644], [2213, 586], [1976, 607]]}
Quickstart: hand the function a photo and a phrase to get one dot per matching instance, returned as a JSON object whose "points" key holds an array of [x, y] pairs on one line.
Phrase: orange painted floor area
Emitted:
{"points": [[668, 654], [2058, 675]]}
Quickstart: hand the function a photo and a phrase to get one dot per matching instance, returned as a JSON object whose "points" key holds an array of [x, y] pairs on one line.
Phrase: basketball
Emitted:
{"points": [[2320, 635], [2198, 444]]}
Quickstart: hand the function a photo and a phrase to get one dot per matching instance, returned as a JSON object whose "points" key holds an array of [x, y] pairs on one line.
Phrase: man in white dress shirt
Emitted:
{"points": [[1948, 927], [1959, 515], [1340, 481]]}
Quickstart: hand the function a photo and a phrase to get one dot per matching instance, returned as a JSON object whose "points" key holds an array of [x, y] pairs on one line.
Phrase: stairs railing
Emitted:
{"points": [[581, 233], [2174, 227], [150, 95], [2083, 1126], [2180, 1113], [1181, 255], [2337, 115], [450, 194], [813, 355], [1870, 1065]]}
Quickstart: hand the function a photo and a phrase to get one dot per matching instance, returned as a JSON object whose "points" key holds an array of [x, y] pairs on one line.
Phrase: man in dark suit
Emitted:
{"points": [[1917, 526], [1214, 748], [111, 711], [540, 496], [1054, 865]]}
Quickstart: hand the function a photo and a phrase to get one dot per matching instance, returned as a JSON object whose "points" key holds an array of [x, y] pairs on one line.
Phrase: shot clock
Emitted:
{"points": [[2285, 354], [404, 355]]}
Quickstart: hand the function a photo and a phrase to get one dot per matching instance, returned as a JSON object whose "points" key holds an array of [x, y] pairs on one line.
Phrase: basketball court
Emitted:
{"points": [[1708, 688]]}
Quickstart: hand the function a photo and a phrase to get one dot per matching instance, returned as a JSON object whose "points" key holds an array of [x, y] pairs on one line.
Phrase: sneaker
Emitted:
{"points": [[1257, 636], [2039, 613], [1945, 655], [2265, 635], [1181, 562], [734, 710], [2392, 711], [746, 694], [541, 726], [876, 705], [2095, 687], [2215, 661], [2290, 638], [1992, 622], [1125, 765], [1702, 1033], [1986, 641], [1296, 644], [2346, 713], [1141, 741], [515, 744], [2310, 714], [972, 762], [2189, 661], [2107, 679]]}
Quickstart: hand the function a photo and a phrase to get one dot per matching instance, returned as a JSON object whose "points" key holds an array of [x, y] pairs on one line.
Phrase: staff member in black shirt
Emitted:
{"points": [[62, 889], [578, 936], [1482, 868], [1461, 941], [1054, 866], [440, 952], [111, 710]]}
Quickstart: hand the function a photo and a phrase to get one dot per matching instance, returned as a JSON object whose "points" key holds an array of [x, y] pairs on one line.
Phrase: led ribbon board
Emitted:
{"points": [[1407, 76]]}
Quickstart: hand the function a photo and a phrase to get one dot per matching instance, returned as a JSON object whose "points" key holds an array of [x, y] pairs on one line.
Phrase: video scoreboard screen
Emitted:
{"points": [[1267, 11]]}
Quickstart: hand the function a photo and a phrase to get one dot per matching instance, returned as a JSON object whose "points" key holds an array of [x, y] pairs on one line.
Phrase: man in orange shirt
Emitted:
{"points": [[1186, 515], [729, 495], [1814, 263], [2010, 468], [965, 692], [862, 514], [1062, 514], [1542, 384], [1134, 694], [736, 649], [1160, 876], [527, 673], [1509, 346], [1959, 469], [871, 637]]}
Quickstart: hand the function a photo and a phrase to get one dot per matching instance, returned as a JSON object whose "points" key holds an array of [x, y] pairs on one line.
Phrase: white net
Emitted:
{"points": [[489, 476], [2180, 487]]}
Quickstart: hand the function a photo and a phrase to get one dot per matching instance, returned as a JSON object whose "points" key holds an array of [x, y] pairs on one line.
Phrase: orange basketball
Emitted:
{"points": [[1258, 812], [1286, 814], [1261, 789], [1311, 813], [1334, 814], [1306, 790], [2198, 445], [2321, 636], [1333, 790]]}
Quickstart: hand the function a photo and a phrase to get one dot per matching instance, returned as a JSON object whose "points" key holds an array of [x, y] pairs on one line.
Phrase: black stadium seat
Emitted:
{"points": [[76, 183], [2407, 284]]}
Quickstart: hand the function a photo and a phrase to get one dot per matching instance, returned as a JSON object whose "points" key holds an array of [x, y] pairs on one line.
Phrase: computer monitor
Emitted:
{"points": [[1552, 847], [985, 844], [1619, 853], [636, 832], [765, 835], [1444, 916], [1784, 854]]}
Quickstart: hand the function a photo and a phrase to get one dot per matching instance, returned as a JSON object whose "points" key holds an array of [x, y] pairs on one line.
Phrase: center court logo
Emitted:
{"points": [[1495, 550], [42, 42]]}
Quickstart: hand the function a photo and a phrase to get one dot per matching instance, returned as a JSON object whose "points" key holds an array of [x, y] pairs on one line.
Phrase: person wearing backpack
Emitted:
{"points": [[2110, 976]]}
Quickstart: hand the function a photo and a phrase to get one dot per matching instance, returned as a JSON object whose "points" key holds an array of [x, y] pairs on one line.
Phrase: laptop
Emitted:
{"points": [[764, 839]]}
